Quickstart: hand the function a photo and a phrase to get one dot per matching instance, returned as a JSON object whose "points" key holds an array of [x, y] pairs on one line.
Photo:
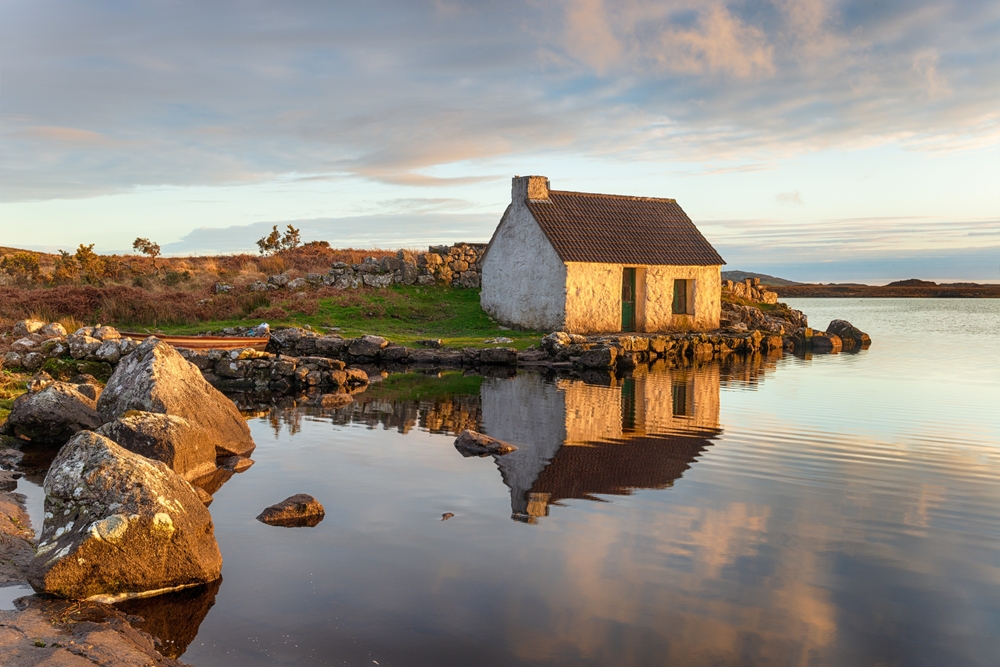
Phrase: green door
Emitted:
{"points": [[628, 299]]}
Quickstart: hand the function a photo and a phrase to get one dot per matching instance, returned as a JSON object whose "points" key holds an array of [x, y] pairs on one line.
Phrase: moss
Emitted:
{"points": [[65, 368], [101, 370]]}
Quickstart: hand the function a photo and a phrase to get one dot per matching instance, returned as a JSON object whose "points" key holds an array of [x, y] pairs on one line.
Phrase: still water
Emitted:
{"points": [[833, 510]]}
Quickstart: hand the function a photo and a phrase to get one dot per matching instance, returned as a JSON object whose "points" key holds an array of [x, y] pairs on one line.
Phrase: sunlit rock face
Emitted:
{"points": [[118, 525], [156, 378], [188, 451]]}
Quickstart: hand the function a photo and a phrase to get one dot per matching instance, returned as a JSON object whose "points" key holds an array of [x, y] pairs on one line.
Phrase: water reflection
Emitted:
{"points": [[579, 440], [174, 618], [578, 436]]}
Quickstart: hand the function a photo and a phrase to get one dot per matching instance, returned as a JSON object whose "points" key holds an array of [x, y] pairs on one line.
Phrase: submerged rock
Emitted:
{"points": [[118, 525], [156, 378], [188, 451], [55, 412], [471, 443], [237, 463], [295, 511]]}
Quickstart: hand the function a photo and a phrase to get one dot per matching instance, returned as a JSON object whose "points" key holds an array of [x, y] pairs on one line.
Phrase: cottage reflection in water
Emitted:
{"points": [[576, 438], [580, 440]]}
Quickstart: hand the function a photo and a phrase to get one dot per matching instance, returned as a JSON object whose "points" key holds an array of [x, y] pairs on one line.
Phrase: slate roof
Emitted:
{"points": [[617, 229]]}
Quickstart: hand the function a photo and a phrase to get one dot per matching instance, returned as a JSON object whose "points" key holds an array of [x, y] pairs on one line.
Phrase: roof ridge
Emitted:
{"points": [[607, 196]]}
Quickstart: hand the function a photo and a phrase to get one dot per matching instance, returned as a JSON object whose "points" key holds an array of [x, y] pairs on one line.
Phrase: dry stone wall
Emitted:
{"points": [[458, 265]]}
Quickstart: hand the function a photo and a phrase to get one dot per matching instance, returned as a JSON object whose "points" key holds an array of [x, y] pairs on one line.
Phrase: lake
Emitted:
{"points": [[834, 510]]}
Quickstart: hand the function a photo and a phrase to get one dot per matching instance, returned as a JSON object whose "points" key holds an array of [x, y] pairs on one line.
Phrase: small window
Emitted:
{"points": [[680, 297]]}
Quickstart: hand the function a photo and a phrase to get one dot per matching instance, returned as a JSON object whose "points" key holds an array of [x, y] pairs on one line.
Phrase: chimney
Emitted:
{"points": [[534, 188]]}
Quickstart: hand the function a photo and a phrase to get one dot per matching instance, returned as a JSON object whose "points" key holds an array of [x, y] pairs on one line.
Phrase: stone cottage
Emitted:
{"points": [[592, 263]]}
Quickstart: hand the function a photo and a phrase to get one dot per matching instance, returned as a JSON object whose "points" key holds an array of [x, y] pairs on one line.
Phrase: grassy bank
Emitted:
{"points": [[403, 314]]}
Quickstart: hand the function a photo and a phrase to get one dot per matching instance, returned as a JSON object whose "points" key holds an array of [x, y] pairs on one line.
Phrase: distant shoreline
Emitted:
{"points": [[945, 291]]}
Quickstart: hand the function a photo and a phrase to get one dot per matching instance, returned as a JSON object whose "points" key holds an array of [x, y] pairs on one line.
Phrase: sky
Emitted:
{"points": [[810, 139]]}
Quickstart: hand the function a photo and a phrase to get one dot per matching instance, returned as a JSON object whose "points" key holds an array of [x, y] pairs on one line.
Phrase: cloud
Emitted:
{"points": [[788, 198], [925, 64], [229, 93]]}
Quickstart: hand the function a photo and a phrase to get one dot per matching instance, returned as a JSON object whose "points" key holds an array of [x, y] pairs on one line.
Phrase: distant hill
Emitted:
{"points": [[740, 276], [912, 282]]}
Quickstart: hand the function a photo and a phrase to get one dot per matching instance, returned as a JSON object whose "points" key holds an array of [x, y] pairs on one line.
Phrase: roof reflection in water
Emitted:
{"points": [[580, 440]]}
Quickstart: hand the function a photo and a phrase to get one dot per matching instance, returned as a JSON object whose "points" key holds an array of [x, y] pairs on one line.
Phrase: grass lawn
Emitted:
{"points": [[403, 314]]}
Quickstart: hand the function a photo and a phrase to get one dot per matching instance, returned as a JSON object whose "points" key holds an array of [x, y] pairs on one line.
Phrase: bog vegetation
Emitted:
{"points": [[148, 292]]}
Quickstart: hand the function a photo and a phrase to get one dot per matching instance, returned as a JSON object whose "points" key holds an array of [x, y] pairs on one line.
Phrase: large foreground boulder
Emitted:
{"points": [[118, 525], [156, 378], [54, 413], [188, 451]]}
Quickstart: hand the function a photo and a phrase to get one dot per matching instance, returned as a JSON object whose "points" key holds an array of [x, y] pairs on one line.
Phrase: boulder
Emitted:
{"points": [[367, 346], [600, 357], [471, 443], [32, 361], [26, 327], [498, 355], [118, 526], [53, 348], [109, 351], [555, 341], [53, 330], [849, 334], [156, 378], [294, 511], [54, 413], [280, 280], [82, 346], [822, 342], [25, 344], [106, 333], [377, 280], [188, 451]]}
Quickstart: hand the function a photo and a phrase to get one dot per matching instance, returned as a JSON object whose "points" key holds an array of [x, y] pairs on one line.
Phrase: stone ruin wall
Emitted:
{"points": [[458, 265]]}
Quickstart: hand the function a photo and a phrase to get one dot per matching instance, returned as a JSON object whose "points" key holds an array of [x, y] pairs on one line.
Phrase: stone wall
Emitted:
{"points": [[457, 265], [750, 290]]}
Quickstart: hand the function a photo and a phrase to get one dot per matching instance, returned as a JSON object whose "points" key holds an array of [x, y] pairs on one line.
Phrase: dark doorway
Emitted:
{"points": [[628, 299]]}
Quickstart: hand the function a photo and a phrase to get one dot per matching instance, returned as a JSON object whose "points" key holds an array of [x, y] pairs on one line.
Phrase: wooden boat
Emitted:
{"points": [[206, 342]]}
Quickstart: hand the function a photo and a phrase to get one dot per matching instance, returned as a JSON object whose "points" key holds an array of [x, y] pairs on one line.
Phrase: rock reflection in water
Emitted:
{"points": [[174, 618], [580, 440]]}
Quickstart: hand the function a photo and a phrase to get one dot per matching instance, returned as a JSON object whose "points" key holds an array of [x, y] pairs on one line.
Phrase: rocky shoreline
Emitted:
{"points": [[147, 438]]}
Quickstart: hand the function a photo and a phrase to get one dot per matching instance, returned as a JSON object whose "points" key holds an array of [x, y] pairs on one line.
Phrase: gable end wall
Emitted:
{"points": [[523, 279]]}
